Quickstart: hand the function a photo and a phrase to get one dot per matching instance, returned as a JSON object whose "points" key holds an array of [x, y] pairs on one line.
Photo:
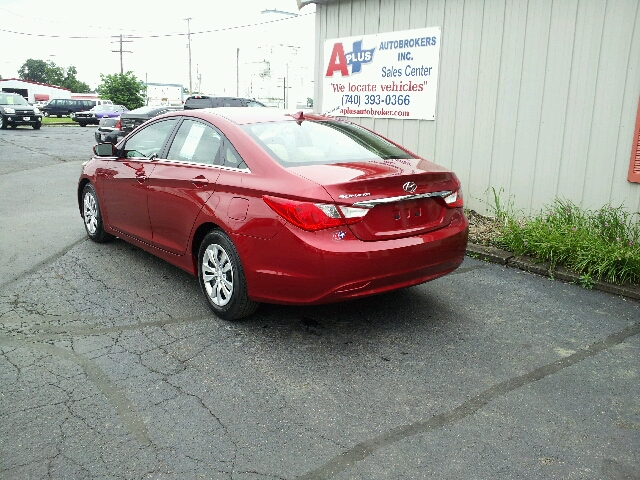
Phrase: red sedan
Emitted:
{"points": [[265, 206]]}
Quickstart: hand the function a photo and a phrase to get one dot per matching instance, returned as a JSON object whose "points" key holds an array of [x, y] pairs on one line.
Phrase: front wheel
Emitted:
{"points": [[82, 124], [3, 123], [222, 278], [92, 216], [37, 125]]}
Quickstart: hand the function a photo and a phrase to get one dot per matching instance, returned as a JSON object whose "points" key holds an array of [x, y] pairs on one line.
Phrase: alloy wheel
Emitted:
{"points": [[90, 211], [217, 275]]}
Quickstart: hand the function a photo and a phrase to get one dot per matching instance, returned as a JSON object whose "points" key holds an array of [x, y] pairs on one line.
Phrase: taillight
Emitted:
{"points": [[118, 125], [454, 199], [314, 216]]}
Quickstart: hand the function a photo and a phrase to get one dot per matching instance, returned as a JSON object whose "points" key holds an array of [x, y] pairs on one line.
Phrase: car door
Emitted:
{"points": [[182, 183], [123, 185]]}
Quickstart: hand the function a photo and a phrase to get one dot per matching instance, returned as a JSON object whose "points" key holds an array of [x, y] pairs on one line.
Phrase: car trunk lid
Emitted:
{"points": [[404, 196]]}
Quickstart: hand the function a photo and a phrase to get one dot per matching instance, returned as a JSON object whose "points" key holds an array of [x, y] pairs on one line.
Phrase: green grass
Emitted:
{"points": [[602, 244], [57, 121]]}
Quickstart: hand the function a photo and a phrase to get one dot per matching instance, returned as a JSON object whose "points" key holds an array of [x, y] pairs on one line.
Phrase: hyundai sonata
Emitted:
{"points": [[266, 206]]}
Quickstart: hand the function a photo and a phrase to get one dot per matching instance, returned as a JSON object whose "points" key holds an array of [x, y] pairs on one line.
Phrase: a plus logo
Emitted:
{"points": [[340, 61]]}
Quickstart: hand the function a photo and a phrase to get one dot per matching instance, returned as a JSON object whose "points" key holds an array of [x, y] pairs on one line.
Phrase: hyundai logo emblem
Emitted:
{"points": [[409, 187]]}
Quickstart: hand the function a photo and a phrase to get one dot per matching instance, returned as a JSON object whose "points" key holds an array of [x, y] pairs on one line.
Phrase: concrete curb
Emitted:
{"points": [[529, 264]]}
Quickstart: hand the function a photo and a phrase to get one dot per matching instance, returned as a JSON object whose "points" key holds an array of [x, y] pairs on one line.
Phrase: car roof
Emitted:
{"points": [[247, 115]]}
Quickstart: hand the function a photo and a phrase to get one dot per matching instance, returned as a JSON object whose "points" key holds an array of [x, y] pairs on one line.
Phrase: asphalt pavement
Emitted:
{"points": [[112, 366]]}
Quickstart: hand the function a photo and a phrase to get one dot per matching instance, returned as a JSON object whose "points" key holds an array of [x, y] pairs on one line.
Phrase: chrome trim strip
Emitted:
{"points": [[373, 203]]}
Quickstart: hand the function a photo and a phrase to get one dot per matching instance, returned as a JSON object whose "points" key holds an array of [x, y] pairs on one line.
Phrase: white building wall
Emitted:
{"points": [[537, 98], [36, 88]]}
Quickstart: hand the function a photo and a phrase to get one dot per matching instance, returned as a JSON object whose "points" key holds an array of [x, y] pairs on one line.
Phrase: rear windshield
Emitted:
{"points": [[312, 143], [199, 102], [12, 99]]}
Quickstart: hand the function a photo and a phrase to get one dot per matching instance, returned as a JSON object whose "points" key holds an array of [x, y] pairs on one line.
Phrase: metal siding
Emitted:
{"points": [[612, 68], [501, 162], [531, 98], [344, 19], [486, 99], [467, 89], [537, 98], [582, 94], [557, 75]]}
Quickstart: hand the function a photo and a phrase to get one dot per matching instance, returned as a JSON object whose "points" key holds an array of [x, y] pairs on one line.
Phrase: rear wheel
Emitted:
{"points": [[93, 216], [222, 278]]}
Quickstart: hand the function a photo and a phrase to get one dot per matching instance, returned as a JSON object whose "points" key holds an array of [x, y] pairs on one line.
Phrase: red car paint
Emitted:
{"points": [[166, 207]]}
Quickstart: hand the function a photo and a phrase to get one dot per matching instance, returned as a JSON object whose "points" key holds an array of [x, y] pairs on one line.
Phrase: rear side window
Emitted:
{"points": [[197, 143], [232, 102]]}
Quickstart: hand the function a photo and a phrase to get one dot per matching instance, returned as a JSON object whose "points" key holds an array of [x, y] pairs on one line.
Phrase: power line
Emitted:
{"points": [[165, 35]]}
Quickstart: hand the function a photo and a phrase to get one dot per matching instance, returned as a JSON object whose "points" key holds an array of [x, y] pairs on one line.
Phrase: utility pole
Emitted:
{"points": [[121, 41], [189, 47], [284, 91], [237, 72]]}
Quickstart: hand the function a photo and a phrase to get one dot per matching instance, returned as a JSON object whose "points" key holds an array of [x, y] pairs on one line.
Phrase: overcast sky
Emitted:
{"points": [[42, 30]]}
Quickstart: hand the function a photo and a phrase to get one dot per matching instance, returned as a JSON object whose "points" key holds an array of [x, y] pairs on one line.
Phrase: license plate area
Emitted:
{"points": [[26, 119], [400, 219]]}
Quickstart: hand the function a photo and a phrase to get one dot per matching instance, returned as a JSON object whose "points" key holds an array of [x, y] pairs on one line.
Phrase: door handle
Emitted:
{"points": [[200, 181]]}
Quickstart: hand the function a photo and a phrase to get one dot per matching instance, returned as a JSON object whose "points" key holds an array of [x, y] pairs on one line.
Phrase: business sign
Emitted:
{"points": [[387, 75]]}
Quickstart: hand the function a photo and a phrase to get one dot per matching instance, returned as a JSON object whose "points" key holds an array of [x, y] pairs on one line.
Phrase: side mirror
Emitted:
{"points": [[105, 150]]}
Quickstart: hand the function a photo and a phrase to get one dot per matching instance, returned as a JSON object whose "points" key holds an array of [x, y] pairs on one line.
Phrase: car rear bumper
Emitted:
{"points": [[113, 136], [86, 120], [298, 267]]}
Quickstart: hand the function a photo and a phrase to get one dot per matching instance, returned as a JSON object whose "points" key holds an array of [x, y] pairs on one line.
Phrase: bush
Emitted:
{"points": [[601, 244]]}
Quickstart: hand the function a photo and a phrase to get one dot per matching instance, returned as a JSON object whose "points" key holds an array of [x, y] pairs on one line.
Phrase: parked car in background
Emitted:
{"points": [[208, 101], [15, 111], [112, 131], [93, 116], [67, 106], [267, 206], [108, 130]]}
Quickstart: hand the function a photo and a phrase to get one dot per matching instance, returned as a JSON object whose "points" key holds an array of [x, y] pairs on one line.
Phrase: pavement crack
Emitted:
{"points": [[364, 449], [123, 407]]}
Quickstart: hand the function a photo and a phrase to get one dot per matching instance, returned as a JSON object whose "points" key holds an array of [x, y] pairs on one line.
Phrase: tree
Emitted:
{"points": [[122, 89], [34, 70], [72, 83], [50, 73]]}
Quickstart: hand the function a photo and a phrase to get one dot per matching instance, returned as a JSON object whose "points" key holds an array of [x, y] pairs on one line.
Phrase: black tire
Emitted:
{"points": [[82, 124], [222, 278], [3, 123], [13, 126], [92, 216], [36, 126], [46, 114]]}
